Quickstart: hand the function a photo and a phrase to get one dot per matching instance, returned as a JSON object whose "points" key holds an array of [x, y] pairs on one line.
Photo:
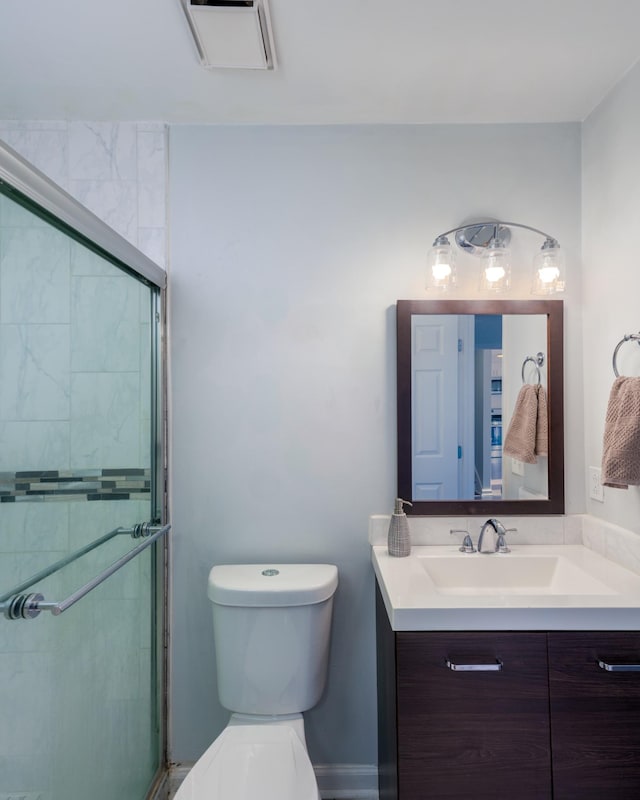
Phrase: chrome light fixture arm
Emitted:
{"points": [[497, 224]]}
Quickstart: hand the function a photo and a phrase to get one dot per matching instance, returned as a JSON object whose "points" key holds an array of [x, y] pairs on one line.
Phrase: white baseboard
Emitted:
{"points": [[347, 781], [335, 781]]}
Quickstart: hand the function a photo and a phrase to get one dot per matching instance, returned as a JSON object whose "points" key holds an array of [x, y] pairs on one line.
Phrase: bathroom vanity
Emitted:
{"points": [[510, 692]]}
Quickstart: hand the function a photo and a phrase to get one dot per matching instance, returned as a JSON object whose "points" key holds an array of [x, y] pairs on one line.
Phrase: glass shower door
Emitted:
{"points": [[80, 691]]}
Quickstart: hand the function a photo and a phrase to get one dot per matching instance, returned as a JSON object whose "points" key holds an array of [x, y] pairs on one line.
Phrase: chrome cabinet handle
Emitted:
{"points": [[618, 667], [495, 666]]}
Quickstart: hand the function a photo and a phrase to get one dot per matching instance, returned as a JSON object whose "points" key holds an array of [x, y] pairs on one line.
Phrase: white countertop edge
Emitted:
{"points": [[516, 619]]}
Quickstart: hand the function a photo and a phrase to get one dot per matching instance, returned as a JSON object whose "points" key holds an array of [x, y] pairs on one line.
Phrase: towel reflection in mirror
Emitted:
{"points": [[528, 433]]}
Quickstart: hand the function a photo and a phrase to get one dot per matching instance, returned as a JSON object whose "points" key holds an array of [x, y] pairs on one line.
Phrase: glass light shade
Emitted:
{"points": [[548, 271], [441, 267], [496, 268]]}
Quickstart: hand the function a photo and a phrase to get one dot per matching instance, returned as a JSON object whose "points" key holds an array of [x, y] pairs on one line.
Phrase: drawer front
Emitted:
{"points": [[473, 716], [594, 685]]}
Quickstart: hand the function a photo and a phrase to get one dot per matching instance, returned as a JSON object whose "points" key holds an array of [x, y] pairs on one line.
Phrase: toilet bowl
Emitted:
{"points": [[271, 630], [263, 761]]}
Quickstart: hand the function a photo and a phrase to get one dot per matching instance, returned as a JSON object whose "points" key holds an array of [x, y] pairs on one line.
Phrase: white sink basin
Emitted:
{"points": [[481, 574], [560, 587]]}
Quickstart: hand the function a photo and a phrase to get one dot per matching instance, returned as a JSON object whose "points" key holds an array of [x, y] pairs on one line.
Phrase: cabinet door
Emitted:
{"points": [[595, 714], [466, 728]]}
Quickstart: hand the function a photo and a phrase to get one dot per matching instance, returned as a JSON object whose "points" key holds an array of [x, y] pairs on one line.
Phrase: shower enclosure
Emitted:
{"points": [[83, 533]]}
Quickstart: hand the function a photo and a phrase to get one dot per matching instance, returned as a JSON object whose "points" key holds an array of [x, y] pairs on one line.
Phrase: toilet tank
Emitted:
{"points": [[272, 626]]}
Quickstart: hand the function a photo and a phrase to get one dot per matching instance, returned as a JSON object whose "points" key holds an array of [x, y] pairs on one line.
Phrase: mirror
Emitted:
{"points": [[462, 366]]}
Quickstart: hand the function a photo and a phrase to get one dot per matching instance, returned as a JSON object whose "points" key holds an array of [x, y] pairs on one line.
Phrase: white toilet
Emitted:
{"points": [[272, 626]]}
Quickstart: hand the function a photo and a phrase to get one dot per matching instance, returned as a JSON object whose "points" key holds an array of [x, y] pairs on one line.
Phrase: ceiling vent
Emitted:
{"points": [[232, 34]]}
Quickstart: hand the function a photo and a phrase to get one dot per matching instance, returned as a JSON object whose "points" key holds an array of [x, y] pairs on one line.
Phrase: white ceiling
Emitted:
{"points": [[340, 61]]}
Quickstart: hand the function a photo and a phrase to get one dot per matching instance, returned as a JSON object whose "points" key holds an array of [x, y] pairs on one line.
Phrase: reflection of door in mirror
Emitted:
{"points": [[461, 366], [456, 406], [442, 439]]}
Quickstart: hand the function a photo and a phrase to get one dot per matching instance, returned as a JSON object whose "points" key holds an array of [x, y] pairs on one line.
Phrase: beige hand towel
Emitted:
{"points": [[520, 441], [542, 424], [621, 441]]}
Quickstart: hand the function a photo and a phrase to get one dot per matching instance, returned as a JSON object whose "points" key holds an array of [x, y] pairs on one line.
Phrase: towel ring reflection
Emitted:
{"points": [[537, 361], [628, 337]]}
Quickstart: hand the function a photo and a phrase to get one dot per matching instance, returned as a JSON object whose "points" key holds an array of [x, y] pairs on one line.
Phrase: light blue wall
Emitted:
{"points": [[611, 210], [289, 248]]}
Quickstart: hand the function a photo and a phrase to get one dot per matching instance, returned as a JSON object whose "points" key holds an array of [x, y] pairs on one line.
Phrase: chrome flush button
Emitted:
{"points": [[269, 572]]}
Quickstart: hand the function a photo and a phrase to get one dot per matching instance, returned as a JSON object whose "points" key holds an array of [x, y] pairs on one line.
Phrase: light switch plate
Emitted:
{"points": [[517, 467], [596, 489]]}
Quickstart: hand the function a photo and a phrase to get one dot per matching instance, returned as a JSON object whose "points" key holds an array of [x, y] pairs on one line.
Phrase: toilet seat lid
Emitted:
{"points": [[252, 762]]}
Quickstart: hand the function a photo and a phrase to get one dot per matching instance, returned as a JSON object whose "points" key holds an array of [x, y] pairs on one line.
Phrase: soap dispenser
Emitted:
{"points": [[399, 542]]}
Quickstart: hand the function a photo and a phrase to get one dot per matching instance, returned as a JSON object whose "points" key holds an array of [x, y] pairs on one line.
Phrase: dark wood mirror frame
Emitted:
{"points": [[553, 309]]}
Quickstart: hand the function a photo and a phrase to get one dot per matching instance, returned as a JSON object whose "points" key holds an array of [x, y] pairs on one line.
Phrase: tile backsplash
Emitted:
{"points": [[615, 543]]}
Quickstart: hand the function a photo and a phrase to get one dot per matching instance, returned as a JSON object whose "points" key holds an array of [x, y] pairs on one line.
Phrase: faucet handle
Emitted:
{"points": [[467, 543], [501, 544]]}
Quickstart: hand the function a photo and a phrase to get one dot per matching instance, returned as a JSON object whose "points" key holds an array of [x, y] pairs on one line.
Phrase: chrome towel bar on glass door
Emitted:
{"points": [[18, 606]]}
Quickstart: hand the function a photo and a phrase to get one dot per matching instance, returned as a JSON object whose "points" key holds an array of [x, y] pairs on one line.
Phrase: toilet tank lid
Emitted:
{"points": [[272, 584]]}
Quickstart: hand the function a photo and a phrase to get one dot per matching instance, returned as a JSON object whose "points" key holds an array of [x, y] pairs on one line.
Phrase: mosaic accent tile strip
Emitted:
{"points": [[83, 484]]}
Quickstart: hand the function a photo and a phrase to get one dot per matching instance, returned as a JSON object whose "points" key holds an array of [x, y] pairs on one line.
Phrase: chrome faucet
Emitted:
{"points": [[498, 529]]}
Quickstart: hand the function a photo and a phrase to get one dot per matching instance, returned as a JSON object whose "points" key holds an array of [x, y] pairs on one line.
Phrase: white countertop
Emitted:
{"points": [[415, 603]]}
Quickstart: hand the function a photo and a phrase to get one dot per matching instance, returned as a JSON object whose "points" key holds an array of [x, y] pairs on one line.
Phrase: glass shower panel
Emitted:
{"points": [[80, 692]]}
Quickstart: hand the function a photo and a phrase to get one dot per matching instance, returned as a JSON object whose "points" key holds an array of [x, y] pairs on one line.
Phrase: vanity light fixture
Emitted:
{"points": [[490, 241]]}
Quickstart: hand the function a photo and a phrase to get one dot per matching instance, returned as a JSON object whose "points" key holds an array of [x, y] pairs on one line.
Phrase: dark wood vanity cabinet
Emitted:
{"points": [[507, 715], [480, 730], [595, 714]]}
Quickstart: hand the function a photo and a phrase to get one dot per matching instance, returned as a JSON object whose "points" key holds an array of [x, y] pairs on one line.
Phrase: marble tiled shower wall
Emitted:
{"points": [[75, 329], [74, 401], [74, 354], [74, 349], [115, 169]]}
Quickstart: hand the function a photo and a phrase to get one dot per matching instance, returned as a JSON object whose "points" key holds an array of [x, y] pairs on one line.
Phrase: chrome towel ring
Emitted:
{"points": [[537, 361], [628, 337]]}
